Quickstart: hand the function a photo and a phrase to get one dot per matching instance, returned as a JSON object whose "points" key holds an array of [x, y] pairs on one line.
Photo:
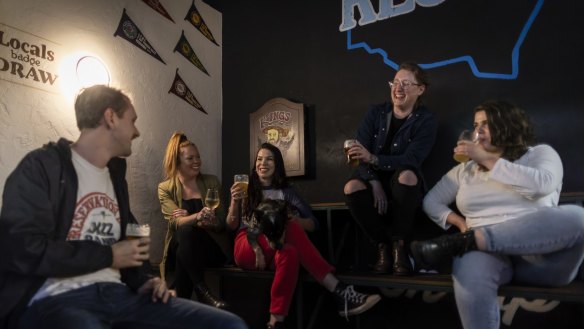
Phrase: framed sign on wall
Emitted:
{"points": [[280, 122]]}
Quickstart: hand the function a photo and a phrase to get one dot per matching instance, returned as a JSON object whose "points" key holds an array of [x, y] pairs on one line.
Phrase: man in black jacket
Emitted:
{"points": [[64, 260]]}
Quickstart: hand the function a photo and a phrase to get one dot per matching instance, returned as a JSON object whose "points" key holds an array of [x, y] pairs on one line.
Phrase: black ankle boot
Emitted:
{"points": [[206, 297], [430, 253], [382, 265], [401, 260]]}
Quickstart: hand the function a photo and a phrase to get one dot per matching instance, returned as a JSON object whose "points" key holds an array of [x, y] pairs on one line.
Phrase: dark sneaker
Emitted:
{"points": [[351, 302]]}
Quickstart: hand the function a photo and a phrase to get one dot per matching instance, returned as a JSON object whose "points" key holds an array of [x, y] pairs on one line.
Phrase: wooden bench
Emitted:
{"points": [[573, 292]]}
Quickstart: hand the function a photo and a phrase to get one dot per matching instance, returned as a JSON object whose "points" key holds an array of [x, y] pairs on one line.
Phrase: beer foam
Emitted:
{"points": [[137, 230]]}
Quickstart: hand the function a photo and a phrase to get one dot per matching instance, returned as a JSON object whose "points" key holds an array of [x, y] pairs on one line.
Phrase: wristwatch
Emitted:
{"points": [[374, 160]]}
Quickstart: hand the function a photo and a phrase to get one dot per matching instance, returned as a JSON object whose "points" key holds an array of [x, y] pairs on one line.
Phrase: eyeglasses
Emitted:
{"points": [[403, 83]]}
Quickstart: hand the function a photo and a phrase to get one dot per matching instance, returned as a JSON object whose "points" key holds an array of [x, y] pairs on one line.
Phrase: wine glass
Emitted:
{"points": [[212, 198], [465, 135]]}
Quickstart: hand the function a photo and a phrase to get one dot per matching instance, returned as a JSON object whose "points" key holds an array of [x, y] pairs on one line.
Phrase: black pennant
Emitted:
{"points": [[180, 89], [197, 20], [129, 31]]}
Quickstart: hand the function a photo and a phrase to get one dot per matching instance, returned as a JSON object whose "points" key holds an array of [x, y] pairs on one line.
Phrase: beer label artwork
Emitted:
{"points": [[28, 60], [276, 127], [184, 48], [129, 31], [180, 89], [196, 19], [280, 122]]}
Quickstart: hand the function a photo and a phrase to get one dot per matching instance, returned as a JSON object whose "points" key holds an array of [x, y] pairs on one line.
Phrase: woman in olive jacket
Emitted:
{"points": [[196, 234]]}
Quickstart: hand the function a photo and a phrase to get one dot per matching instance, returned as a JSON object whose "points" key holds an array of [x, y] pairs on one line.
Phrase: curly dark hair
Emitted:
{"points": [[510, 128], [280, 180]]}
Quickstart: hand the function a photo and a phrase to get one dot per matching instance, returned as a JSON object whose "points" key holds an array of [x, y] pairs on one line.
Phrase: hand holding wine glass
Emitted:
{"points": [[212, 200]]}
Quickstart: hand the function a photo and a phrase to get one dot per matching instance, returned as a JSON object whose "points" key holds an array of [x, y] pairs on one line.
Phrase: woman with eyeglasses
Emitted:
{"points": [[511, 227], [384, 194]]}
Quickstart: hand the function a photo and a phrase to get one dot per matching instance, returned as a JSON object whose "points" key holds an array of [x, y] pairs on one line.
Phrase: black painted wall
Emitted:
{"points": [[294, 49]]}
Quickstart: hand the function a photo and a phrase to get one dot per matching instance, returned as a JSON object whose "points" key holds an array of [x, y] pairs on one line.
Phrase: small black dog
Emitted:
{"points": [[272, 216]]}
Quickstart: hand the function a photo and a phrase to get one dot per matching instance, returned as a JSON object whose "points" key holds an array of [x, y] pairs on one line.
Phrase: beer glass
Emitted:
{"points": [[465, 135], [346, 146], [243, 181], [137, 231]]}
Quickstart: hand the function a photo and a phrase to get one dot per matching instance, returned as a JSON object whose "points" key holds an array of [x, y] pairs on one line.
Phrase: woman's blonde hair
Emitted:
{"points": [[172, 155]]}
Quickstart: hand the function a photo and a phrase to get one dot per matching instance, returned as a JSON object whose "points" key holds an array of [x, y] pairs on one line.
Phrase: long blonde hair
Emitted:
{"points": [[172, 155]]}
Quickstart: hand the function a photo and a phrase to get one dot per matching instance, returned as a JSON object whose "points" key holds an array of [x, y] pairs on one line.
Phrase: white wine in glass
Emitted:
{"points": [[212, 198]]}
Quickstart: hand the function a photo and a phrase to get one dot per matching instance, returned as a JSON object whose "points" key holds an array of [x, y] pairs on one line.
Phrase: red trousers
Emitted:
{"points": [[297, 250]]}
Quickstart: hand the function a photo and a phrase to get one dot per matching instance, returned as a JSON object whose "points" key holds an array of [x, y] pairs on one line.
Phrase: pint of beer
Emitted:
{"points": [[346, 146], [466, 135], [243, 181], [136, 231]]}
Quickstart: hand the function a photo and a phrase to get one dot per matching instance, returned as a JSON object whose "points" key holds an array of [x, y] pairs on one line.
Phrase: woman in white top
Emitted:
{"points": [[511, 225]]}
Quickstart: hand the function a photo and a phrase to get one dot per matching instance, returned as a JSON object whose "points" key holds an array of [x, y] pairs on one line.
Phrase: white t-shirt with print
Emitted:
{"points": [[96, 218]]}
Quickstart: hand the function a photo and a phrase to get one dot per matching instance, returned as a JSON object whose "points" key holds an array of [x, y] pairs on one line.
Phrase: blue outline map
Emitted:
{"points": [[465, 58]]}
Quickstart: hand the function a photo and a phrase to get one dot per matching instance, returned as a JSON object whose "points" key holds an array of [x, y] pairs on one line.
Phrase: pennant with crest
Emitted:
{"points": [[129, 31], [156, 5], [180, 88], [184, 48], [197, 20]]}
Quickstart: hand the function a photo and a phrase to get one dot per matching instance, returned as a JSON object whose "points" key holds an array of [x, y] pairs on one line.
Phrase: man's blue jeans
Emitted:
{"points": [[113, 305], [542, 248]]}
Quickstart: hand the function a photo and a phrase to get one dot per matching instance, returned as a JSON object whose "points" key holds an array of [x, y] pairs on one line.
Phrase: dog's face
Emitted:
{"points": [[272, 216]]}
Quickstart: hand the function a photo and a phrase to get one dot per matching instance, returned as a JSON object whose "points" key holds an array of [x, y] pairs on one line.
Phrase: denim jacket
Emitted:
{"points": [[411, 145]]}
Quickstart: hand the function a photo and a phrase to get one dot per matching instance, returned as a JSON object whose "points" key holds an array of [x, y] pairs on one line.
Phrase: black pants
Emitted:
{"points": [[195, 250], [404, 203]]}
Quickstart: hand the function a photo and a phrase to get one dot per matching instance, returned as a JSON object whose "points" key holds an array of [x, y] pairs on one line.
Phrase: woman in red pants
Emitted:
{"points": [[253, 251]]}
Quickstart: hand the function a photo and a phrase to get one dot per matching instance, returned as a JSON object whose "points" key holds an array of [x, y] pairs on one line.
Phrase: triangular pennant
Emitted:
{"points": [[184, 48], [129, 31], [155, 4], [179, 88], [196, 19]]}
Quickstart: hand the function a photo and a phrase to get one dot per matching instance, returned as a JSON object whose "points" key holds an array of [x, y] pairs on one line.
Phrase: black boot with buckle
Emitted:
{"points": [[430, 253], [206, 297], [401, 260]]}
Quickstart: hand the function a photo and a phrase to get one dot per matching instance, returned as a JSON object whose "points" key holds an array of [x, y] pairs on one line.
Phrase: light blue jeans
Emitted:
{"points": [[113, 305], [544, 248]]}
